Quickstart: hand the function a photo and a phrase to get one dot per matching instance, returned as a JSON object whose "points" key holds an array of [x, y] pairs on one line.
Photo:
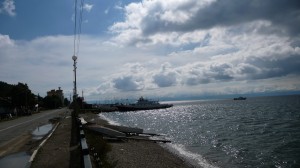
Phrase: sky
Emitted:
{"points": [[152, 48]]}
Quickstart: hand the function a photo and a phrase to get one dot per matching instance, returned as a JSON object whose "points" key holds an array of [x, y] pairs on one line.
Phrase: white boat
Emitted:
{"points": [[143, 104]]}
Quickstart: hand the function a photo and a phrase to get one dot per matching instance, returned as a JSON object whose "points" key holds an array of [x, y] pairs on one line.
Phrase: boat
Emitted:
{"points": [[143, 104], [240, 98]]}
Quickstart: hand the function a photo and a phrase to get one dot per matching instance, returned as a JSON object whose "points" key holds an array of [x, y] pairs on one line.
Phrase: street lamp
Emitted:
{"points": [[74, 58]]}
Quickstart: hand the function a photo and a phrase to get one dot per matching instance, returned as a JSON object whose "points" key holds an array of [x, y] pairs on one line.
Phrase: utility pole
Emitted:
{"points": [[75, 87]]}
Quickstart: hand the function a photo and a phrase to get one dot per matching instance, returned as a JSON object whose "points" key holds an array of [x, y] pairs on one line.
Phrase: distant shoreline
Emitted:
{"points": [[211, 98]]}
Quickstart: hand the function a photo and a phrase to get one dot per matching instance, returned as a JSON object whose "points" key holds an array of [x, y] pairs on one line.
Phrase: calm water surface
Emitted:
{"points": [[257, 132]]}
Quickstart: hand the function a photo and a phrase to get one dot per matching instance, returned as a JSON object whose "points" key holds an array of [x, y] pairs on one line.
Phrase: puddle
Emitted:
{"points": [[20, 160], [41, 131], [17, 160]]}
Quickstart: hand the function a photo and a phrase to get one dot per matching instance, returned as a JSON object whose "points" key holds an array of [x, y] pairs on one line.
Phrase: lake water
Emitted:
{"points": [[257, 132]]}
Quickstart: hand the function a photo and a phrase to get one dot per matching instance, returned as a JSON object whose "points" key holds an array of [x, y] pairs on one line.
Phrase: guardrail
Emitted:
{"points": [[84, 147]]}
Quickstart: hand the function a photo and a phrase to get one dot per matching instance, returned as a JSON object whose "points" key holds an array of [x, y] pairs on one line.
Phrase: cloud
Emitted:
{"points": [[5, 41], [165, 80], [166, 77], [39, 63], [225, 54], [87, 7], [8, 7], [108, 70], [160, 22], [106, 10], [192, 15], [128, 83], [223, 57], [131, 77], [118, 5]]}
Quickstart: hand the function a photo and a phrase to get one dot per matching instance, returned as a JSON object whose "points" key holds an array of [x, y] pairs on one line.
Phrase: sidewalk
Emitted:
{"points": [[56, 151]]}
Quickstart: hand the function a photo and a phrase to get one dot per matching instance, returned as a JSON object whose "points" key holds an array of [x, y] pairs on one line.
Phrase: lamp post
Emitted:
{"points": [[74, 58]]}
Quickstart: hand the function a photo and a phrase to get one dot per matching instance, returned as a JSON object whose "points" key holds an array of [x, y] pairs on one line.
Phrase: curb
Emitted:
{"points": [[41, 144], [84, 147]]}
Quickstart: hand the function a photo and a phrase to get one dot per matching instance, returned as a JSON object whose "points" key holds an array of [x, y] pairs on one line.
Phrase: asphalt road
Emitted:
{"points": [[13, 129]]}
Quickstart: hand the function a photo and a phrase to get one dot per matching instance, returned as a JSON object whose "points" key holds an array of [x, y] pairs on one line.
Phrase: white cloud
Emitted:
{"points": [[179, 22], [106, 11], [8, 7], [5, 41], [118, 5], [87, 7]]}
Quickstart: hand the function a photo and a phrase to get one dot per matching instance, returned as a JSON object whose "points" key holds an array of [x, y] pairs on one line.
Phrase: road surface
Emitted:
{"points": [[15, 130]]}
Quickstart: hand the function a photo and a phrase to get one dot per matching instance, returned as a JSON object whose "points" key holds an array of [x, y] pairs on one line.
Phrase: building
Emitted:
{"points": [[58, 93]]}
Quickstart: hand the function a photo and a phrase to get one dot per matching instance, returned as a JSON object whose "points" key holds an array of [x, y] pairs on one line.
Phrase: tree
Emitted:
{"points": [[5, 89], [21, 96]]}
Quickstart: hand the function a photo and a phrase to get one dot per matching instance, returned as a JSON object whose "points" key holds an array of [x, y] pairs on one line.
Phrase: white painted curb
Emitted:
{"points": [[41, 144]]}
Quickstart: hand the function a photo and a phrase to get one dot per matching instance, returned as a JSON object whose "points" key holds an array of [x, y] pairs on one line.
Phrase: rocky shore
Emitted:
{"points": [[136, 154]]}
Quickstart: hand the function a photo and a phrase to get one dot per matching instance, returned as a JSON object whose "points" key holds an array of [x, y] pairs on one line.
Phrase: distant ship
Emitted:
{"points": [[143, 104], [240, 98]]}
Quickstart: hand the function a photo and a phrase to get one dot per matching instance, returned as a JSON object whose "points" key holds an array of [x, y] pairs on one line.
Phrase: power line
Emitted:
{"points": [[80, 23], [77, 25]]}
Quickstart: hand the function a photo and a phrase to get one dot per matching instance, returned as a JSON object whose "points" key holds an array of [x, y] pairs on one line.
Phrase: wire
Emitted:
{"points": [[77, 26]]}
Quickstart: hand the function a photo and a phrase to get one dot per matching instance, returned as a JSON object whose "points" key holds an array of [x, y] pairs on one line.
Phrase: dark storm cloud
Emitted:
{"points": [[284, 14]]}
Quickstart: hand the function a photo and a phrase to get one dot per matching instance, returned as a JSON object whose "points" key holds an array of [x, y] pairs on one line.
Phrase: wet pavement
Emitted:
{"points": [[17, 151], [17, 160], [20, 159], [41, 131]]}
